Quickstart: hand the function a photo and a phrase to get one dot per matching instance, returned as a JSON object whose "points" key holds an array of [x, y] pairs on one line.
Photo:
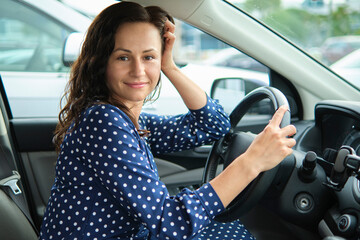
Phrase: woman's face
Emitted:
{"points": [[133, 68]]}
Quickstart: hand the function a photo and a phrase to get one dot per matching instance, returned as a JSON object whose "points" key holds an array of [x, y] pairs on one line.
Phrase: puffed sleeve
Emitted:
{"points": [[186, 131], [125, 170]]}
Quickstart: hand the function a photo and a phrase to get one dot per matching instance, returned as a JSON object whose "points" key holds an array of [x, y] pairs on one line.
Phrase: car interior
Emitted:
{"points": [[313, 194]]}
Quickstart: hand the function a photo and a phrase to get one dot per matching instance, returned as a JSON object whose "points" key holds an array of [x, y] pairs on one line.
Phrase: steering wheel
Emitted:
{"points": [[234, 144]]}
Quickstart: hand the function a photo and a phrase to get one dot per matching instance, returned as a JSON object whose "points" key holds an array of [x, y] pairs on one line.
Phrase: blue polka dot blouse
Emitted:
{"points": [[107, 185]]}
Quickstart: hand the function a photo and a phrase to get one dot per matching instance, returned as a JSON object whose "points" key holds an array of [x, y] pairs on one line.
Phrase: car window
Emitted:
{"points": [[31, 46], [29, 41], [326, 30]]}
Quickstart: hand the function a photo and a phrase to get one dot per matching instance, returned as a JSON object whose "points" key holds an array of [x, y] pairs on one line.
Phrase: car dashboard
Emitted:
{"points": [[311, 201], [334, 143]]}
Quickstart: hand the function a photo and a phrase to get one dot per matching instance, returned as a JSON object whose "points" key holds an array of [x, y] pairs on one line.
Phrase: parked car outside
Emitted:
{"points": [[231, 57], [32, 35], [335, 48], [204, 75], [349, 67]]}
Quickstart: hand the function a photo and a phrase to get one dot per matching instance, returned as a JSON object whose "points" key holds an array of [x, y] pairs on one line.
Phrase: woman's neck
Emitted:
{"points": [[132, 109]]}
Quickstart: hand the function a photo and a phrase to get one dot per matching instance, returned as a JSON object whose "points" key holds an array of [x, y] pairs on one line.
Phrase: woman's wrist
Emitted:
{"points": [[247, 166], [234, 179], [170, 70]]}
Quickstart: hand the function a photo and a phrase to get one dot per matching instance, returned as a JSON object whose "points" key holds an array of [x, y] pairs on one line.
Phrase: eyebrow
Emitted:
{"points": [[129, 51]]}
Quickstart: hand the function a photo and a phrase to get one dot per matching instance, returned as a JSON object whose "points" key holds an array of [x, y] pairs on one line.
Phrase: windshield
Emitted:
{"points": [[328, 30]]}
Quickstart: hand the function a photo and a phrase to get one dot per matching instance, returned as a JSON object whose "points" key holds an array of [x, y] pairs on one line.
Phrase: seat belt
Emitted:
{"points": [[12, 190]]}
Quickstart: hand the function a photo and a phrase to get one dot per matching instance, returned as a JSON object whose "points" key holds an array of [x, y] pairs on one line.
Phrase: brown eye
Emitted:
{"points": [[149, 58], [123, 58]]}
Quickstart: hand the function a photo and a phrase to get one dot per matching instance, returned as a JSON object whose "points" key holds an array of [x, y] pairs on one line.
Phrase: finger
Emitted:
{"points": [[169, 39], [289, 130], [169, 27], [278, 116], [169, 35], [290, 142]]}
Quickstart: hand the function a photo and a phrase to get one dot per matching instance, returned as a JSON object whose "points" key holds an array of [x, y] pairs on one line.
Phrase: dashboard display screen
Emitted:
{"points": [[338, 130]]}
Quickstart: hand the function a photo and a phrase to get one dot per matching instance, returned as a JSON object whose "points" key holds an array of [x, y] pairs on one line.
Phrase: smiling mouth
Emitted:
{"points": [[136, 85]]}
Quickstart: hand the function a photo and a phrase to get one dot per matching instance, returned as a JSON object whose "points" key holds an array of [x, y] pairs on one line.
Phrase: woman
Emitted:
{"points": [[107, 185]]}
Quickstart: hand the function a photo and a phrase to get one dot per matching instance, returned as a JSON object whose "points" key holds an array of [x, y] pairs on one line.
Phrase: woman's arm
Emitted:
{"points": [[193, 96], [186, 131], [268, 149]]}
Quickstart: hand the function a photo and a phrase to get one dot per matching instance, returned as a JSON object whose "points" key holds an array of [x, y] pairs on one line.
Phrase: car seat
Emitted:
{"points": [[14, 224]]}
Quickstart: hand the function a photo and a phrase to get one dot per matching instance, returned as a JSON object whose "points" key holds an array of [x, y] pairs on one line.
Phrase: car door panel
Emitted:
{"points": [[34, 134], [39, 172]]}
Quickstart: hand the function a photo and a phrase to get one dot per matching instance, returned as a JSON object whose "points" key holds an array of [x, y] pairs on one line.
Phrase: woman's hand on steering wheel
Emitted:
{"points": [[250, 162], [272, 145]]}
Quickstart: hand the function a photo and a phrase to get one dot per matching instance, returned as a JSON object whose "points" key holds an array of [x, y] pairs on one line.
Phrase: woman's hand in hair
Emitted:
{"points": [[167, 62], [193, 96]]}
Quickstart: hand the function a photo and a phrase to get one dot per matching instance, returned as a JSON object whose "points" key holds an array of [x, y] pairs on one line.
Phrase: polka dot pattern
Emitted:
{"points": [[196, 128], [229, 231], [107, 185]]}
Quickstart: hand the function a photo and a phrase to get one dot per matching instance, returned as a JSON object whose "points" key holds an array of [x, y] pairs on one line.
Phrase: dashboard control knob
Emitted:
{"points": [[307, 170], [309, 162]]}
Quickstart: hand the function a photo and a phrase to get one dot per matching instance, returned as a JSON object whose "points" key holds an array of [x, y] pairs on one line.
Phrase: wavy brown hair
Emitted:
{"points": [[87, 83]]}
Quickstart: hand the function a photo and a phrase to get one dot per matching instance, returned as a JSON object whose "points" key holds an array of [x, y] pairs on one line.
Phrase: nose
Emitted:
{"points": [[137, 68]]}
